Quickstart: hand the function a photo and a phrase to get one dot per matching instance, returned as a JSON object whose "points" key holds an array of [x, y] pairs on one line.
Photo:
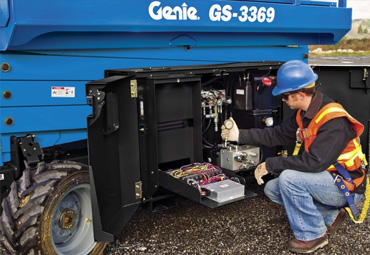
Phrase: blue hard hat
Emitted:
{"points": [[293, 75]]}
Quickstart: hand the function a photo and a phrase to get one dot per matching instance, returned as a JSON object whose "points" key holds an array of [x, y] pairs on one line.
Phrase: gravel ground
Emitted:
{"points": [[251, 226]]}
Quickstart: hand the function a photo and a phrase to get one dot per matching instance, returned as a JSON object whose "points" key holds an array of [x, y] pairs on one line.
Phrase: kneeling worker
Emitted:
{"points": [[306, 183]]}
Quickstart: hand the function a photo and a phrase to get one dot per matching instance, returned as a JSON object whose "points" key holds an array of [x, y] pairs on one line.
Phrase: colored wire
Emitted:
{"points": [[206, 172]]}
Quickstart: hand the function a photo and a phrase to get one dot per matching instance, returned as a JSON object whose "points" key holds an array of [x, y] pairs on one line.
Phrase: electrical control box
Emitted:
{"points": [[223, 191], [237, 158]]}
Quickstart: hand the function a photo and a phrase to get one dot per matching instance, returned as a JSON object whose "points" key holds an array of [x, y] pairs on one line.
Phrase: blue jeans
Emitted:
{"points": [[305, 197]]}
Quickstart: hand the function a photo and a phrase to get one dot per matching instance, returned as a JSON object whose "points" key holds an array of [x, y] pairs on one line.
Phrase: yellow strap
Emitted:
{"points": [[310, 86], [297, 147], [329, 110], [365, 208]]}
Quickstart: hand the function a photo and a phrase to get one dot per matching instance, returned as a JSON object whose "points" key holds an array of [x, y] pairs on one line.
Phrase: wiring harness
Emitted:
{"points": [[199, 174]]}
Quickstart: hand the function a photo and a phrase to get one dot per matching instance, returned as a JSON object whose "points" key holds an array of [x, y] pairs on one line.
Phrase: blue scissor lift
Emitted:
{"points": [[98, 97]]}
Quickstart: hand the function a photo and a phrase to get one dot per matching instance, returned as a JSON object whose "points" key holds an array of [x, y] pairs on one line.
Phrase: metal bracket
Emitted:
{"points": [[138, 190], [111, 115], [365, 75], [31, 151], [22, 148], [133, 84], [95, 98]]}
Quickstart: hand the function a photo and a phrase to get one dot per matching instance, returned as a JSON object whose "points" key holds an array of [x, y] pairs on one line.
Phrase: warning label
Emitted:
{"points": [[62, 91]]}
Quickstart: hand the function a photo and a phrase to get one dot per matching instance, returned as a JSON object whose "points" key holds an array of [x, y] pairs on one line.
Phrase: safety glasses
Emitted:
{"points": [[285, 96]]}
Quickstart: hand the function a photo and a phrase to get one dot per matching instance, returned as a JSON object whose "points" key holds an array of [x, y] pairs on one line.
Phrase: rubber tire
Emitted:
{"points": [[25, 224]]}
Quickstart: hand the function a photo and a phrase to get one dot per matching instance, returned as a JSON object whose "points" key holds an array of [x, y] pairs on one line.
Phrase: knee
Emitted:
{"points": [[271, 189], [286, 177]]}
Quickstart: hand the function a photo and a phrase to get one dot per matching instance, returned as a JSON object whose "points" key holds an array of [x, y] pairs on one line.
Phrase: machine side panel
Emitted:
{"points": [[82, 24]]}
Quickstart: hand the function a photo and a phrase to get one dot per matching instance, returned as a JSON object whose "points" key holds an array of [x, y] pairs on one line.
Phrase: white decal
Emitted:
{"points": [[270, 14], [240, 91], [216, 13], [245, 13], [183, 12], [62, 91]]}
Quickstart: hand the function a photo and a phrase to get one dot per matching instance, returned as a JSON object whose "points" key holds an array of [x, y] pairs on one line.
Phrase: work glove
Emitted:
{"points": [[230, 132], [259, 172]]}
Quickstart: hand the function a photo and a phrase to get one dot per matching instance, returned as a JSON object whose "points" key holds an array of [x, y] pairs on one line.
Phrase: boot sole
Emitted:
{"points": [[319, 246]]}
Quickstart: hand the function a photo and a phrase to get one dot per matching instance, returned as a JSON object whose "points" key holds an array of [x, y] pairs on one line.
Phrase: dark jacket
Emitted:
{"points": [[331, 139]]}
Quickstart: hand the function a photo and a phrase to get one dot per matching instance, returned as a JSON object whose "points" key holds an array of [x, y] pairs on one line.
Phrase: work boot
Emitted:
{"points": [[340, 218], [296, 245]]}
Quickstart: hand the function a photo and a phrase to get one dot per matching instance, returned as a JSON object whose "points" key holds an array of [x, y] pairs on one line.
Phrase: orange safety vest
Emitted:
{"points": [[352, 157]]}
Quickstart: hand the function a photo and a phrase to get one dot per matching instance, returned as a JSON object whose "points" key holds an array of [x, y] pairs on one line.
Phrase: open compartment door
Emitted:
{"points": [[113, 143]]}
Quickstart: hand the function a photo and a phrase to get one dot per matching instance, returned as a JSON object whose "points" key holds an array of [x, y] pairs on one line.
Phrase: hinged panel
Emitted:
{"points": [[113, 143]]}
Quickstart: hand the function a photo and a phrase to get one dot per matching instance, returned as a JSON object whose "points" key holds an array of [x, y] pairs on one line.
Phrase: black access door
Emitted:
{"points": [[113, 143]]}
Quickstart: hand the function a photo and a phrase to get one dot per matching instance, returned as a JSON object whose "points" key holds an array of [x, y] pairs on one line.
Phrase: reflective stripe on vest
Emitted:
{"points": [[352, 157]]}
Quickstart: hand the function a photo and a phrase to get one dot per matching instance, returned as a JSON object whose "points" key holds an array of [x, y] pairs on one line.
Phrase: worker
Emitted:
{"points": [[305, 183]]}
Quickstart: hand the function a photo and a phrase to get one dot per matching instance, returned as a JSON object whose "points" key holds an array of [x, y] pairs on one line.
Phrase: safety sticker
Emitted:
{"points": [[62, 91], [240, 91]]}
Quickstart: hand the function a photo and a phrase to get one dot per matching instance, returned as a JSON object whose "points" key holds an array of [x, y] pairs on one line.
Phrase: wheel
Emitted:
{"points": [[48, 211]]}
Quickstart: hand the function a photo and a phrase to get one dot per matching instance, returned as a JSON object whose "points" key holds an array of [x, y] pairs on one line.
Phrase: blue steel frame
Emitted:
{"points": [[49, 43]]}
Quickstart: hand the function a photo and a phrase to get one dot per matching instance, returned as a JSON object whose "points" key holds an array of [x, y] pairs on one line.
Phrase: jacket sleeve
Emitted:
{"points": [[330, 141], [278, 135]]}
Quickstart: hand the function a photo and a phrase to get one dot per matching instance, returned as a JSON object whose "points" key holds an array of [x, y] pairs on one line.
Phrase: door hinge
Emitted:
{"points": [[133, 84], [138, 190]]}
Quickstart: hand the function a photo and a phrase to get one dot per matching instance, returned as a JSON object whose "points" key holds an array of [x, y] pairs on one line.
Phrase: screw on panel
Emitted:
{"points": [[5, 67], [187, 47], [305, 56], [8, 121], [7, 94]]}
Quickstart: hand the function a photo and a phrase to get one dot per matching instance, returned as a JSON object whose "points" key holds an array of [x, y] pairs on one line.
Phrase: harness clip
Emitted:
{"points": [[298, 137], [305, 133], [336, 178]]}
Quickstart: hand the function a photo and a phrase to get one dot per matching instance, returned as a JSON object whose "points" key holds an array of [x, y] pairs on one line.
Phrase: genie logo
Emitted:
{"points": [[183, 12]]}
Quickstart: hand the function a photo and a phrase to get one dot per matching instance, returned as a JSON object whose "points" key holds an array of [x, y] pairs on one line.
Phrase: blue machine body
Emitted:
{"points": [[50, 46]]}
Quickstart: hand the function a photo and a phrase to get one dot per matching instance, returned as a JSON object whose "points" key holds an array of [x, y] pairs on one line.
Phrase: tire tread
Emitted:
{"points": [[19, 226]]}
